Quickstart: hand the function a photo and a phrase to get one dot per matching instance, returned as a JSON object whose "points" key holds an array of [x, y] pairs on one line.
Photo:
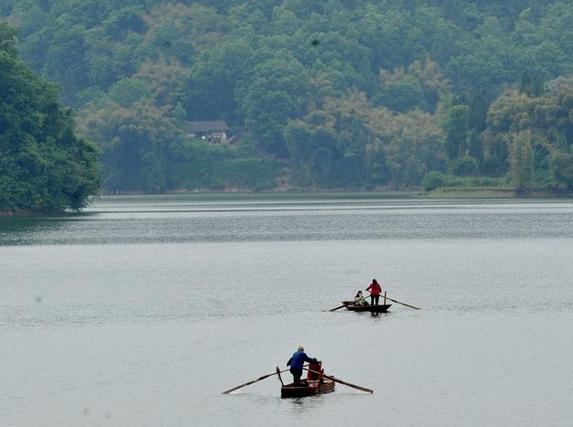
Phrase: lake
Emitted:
{"points": [[142, 310]]}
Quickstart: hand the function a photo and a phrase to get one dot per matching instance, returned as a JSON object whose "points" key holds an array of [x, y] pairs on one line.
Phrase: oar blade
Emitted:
{"points": [[403, 303], [357, 387], [337, 308], [254, 381], [239, 386]]}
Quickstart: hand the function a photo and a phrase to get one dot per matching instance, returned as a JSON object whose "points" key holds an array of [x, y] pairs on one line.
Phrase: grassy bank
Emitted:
{"points": [[490, 193], [472, 193]]}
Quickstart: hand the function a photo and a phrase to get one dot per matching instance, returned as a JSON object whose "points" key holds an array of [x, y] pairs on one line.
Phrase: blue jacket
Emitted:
{"points": [[297, 361]]}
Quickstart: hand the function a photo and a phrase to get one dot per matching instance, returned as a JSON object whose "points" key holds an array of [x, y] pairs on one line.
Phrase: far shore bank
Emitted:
{"points": [[442, 192], [276, 192], [491, 193]]}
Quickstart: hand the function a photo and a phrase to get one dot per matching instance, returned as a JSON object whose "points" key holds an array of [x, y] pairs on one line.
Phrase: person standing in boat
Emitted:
{"points": [[375, 290], [296, 362]]}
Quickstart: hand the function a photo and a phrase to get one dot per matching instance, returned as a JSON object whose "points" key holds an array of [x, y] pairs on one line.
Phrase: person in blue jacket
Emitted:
{"points": [[296, 363]]}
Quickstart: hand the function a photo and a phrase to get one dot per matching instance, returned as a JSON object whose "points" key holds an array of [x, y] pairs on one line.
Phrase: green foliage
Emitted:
{"points": [[349, 92], [532, 136], [277, 91], [464, 166], [521, 161], [434, 180], [422, 86], [44, 166], [328, 147], [7, 39], [406, 145], [228, 174], [456, 128], [214, 79], [139, 143], [126, 92], [561, 168]]}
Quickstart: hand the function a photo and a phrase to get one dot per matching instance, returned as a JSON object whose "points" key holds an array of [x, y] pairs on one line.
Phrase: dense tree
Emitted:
{"points": [[277, 91], [456, 128], [521, 161], [328, 147], [407, 145], [44, 166], [214, 79], [334, 88], [421, 86], [140, 143], [538, 130]]}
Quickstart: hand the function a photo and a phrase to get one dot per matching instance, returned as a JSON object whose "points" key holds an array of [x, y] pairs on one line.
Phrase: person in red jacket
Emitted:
{"points": [[375, 290]]}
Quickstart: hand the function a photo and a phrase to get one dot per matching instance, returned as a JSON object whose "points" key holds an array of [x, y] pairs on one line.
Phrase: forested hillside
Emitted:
{"points": [[44, 166], [321, 94]]}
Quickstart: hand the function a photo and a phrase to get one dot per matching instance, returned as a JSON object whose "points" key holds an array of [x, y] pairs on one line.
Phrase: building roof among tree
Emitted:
{"points": [[206, 126]]}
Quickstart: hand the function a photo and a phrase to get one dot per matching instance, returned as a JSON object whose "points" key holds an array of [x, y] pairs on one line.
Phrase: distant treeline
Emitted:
{"points": [[44, 166], [322, 93]]}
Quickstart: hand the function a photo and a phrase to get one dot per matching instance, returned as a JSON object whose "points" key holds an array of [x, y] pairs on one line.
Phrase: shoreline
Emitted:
{"points": [[441, 192], [410, 193]]}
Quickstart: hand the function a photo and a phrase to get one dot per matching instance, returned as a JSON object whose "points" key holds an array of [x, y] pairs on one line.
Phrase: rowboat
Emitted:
{"points": [[315, 383], [381, 308]]}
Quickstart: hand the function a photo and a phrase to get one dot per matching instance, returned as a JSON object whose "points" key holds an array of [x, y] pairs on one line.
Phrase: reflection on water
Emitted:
{"points": [[302, 407], [18, 230]]}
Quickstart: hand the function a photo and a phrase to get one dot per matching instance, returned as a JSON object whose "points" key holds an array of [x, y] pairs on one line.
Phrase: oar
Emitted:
{"points": [[336, 380], [254, 381], [403, 303], [336, 308]]}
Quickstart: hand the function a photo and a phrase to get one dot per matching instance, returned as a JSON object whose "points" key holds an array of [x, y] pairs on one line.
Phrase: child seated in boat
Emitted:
{"points": [[359, 299]]}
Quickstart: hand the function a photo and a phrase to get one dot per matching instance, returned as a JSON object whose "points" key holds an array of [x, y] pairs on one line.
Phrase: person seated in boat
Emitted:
{"points": [[375, 291], [359, 299], [296, 362]]}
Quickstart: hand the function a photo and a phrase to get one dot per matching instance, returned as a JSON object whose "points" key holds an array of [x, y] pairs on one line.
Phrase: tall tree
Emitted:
{"points": [[521, 161], [44, 166], [456, 127], [278, 91]]}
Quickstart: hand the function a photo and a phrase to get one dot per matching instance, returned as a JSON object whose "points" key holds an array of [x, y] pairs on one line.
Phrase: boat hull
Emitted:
{"points": [[307, 389], [381, 308]]}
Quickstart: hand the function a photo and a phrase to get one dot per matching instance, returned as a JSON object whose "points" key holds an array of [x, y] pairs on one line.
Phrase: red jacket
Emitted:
{"points": [[374, 289]]}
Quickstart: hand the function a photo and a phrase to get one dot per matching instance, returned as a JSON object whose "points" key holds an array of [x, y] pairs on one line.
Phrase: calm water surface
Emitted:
{"points": [[141, 311]]}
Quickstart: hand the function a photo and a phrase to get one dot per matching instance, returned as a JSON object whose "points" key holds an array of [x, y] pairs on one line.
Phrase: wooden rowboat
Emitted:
{"points": [[307, 388], [380, 308], [315, 383]]}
